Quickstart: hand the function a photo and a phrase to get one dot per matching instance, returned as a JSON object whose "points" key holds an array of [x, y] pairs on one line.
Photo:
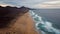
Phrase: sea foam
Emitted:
{"points": [[45, 26]]}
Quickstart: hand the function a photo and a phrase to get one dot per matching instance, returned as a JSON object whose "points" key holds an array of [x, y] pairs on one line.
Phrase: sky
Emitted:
{"points": [[32, 3]]}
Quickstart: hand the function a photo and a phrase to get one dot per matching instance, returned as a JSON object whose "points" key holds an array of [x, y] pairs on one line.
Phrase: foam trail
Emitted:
{"points": [[45, 26]]}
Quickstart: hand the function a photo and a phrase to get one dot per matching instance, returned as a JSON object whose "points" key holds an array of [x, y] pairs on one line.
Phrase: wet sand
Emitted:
{"points": [[22, 25]]}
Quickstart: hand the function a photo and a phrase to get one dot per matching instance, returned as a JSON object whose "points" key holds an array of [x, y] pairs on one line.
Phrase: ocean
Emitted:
{"points": [[47, 20]]}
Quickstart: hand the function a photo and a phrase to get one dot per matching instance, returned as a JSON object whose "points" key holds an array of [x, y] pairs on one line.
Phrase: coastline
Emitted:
{"points": [[24, 24]]}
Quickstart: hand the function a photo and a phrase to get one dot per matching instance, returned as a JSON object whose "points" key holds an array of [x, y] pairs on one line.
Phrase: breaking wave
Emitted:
{"points": [[45, 26]]}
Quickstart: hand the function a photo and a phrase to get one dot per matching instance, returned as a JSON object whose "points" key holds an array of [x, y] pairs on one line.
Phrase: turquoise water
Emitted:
{"points": [[43, 25]]}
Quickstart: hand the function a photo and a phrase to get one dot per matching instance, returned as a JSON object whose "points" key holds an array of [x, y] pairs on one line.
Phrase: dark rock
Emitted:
{"points": [[7, 14]]}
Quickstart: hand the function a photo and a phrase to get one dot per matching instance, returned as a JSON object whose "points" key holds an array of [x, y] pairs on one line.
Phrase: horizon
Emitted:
{"points": [[33, 3]]}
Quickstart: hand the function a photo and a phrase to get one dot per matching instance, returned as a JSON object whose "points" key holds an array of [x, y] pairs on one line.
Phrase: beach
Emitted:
{"points": [[22, 24]]}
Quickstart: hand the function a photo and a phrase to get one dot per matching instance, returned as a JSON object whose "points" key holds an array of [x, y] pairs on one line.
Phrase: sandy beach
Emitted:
{"points": [[24, 24]]}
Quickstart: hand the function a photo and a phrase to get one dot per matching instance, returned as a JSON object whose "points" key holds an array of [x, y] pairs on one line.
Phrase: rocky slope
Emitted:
{"points": [[15, 20]]}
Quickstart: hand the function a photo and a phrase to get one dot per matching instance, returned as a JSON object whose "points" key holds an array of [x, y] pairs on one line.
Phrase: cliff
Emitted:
{"points": [[15, 20]]}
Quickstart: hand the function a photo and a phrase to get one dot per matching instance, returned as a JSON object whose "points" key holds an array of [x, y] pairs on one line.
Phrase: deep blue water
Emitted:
{"points": [[47, 20]]}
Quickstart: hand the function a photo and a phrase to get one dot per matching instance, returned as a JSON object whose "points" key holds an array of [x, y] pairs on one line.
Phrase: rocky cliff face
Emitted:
{"points": [[15, 20]]}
